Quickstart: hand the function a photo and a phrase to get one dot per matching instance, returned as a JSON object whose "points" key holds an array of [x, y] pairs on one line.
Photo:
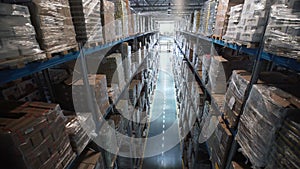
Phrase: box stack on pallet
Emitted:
{"points": [[219, 144], [235, 96], [54, 26], [98, 86], [35, 133], [90, 159], [112, 67], [264, 112], [284, 154], [218, 75], [22, 90], [87, 21], [234, 19], [222, 18], [121, 18], [283, 24], [253, 20], [207, 18], [18, 44], [108, 21], [126, 60], [108, 140], [77, 135]]}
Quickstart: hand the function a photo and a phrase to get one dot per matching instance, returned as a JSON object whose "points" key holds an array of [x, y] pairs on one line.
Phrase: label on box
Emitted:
{"points": [[231, 102]]}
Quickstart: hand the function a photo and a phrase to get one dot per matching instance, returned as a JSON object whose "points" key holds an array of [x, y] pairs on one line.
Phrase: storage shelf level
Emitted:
{"points": [[34, 67], [289, 63]]}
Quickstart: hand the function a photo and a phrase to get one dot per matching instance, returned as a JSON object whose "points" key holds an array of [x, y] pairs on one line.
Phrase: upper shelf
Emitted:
{"points": [[278, 60], [34, 67]]}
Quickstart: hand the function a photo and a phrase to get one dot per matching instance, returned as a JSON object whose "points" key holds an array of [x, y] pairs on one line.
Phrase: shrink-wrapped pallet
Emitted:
{"points": [[264, 112], [108, 21], [17, 36], [53, 24], [282, 36], [33, 136], [87, 20]]}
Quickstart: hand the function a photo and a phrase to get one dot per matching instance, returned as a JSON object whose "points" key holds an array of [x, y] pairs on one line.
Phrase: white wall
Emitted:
{"points": [[166, 27]]}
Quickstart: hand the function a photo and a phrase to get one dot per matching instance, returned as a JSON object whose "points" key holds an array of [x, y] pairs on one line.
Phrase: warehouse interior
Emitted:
{"points": [[143, 84]]}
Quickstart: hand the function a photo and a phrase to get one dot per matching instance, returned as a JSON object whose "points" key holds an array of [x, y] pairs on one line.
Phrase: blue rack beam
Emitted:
{"points": [[34, 67], [289, 63]]}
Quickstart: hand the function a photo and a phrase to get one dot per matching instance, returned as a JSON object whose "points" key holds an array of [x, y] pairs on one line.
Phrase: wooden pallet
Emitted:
{"points": [[65, 51], [20, 61], [248, 44], [217, 37], [92, 44]]}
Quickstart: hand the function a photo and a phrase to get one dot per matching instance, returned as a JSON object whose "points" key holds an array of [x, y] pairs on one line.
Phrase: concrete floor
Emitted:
{"points": [[163, 116]]}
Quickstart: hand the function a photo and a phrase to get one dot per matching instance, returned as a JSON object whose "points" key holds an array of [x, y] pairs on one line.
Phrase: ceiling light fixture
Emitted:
{"points": [[169, 9]]}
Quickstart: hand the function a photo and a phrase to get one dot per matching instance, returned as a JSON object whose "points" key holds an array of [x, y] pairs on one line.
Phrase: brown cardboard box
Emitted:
{"points": [[28, 132]]}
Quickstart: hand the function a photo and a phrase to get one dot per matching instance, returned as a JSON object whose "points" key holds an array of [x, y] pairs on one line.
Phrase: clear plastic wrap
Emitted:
{"points": [[218, 75], [53, 25], [108, 20], [253, 15], [196, 22], [264, 111], [284, 152], [77, 135], [17, 35], [235, 96], [221, 16], [87, 20], [208, 17], [112, 67], [282, 36]]}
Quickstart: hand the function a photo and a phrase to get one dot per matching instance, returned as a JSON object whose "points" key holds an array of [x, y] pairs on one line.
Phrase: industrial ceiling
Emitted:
{"points": [[162, 6]]}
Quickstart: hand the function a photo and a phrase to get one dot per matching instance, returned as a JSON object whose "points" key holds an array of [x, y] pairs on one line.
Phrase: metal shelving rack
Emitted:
{"points": [[34, 67], [289, 63]]}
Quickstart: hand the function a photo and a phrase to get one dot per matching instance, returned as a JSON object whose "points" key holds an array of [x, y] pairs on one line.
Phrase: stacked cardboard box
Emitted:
{"points": [[126, 60], [235, 96], [23, 90], [264, 112], [53, 25], [108, 20], [219, 144], [98, 86], [133, 93], [234, 19], [33, 136], [222, 17], [112, 67], [135, 19], [17, 35], [121, 17], [122, 108], [209, 18], [77, 135], [284, 153], [137, 57], [87, 20], [196, 22], [283, 24], [198, 100], [219, 72], [206, 60], [108, 140], [90, 159], [253, 20]]}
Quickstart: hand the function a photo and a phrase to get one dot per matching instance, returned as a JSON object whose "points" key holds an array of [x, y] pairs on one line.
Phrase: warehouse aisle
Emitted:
{"points": [[164, 112]]}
